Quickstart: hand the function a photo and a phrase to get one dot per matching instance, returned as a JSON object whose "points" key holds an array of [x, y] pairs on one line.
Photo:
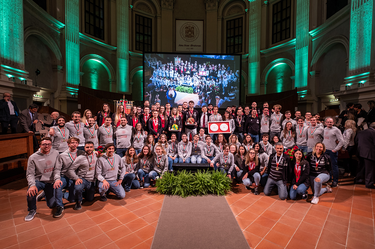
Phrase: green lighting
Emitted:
{"points": [[22, 78], [9, 76], [356, 76], [303, 96], [302, 44], [72, 42], [95, 41], [254, 47], [349, 84], [362, 82], [278, 78]]}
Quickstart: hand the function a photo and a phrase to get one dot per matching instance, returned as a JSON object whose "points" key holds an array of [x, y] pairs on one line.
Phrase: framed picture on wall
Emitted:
{"points": [[189, 36]]}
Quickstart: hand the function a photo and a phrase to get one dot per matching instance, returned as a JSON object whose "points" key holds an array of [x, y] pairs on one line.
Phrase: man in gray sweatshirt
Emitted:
{"points": [[209, 151], [82, 172], [315, 134], [39, 176], [91, 133], [59, 135], [172, 151], [63, 163], [301, 134], [123, 136], [75, 128], [105, 132], [331, 135], [184, 149], [110, 172], [276, 121]]}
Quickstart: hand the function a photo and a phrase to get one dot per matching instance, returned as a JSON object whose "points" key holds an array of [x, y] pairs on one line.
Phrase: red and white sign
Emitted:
{"points": [[216, 127]]}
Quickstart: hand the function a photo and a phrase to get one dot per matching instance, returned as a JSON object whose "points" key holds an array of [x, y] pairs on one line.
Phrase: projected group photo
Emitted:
{"points": [[205, 79]]}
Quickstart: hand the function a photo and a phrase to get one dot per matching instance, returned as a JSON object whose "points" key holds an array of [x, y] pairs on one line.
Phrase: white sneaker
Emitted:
{"points": [[315, 200]]}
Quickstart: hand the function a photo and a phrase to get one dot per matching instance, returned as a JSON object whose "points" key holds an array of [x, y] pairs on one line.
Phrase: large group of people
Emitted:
{"points": [[118, 152], [206, 80]]}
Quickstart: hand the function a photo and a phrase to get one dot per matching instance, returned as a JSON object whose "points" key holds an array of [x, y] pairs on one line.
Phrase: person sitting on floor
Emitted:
{"points": [[251, 171], [160, 163], [145, 166], [130, 161], [224, 161], [300, 180]]}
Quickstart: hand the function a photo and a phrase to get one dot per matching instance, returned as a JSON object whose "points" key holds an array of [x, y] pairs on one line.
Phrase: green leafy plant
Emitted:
{"points": [[186, 184], [184, 89]]}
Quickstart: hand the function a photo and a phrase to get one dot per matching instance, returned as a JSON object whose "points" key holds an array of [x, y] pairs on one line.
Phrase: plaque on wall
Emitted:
{"points": [[189, 36]]}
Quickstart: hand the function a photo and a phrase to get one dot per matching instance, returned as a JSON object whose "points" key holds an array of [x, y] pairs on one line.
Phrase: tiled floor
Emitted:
{"points": [[128, 223], [342, 219]]}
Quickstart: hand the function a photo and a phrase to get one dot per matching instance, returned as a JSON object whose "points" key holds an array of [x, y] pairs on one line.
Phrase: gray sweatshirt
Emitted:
{"points": [[314, 135], [209, 151], [146, 164], [172, 150], [129, 167], [184, 150], [60, 139], [263, 160], [216, 117], [331, 135], [139, 140], [40, 167], [64, 161], [91, 134], [164, 145], [265, 124], [196, 149], [301, 133], [160, 164], [225, 162], [105, 135], [267, 148], [83, 167], [110, 169], [288, 140], [348, 136], [276, 120], [294, 123], [76, 130], [123, 136]]}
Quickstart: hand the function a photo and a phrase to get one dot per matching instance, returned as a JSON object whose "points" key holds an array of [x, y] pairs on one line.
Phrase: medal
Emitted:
{"points": [[301, 132], [108, 131], [91, 133], [62, 132], [71, 157], [77, 127], [316, 166], [111, 163], [278, 161]]}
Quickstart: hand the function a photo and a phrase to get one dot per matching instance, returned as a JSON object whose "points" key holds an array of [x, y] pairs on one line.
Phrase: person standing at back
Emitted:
{"points": [[276, 121], [75, 128], [8, 114]]}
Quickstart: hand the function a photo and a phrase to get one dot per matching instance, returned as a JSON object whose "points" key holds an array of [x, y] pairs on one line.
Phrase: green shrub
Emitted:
{"points": [[186, 184], [184, 89]]}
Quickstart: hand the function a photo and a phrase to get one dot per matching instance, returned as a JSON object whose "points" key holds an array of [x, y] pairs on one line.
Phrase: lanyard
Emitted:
{"points": [[278, 161], [301, 132], [225, 158], [90, 161], [91, 133], [108, 131], [71, 157], [111, 163], [313, 131], [79, 127], [62, 133]]}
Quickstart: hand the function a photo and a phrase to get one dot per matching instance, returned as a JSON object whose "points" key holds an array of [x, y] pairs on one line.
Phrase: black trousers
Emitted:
{"points": [[367, 171], [13, 125]]}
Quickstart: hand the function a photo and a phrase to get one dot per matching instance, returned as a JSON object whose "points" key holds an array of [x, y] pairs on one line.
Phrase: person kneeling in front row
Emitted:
{"points": [[224, 161], [300, 180], [160, 162], [251, 171], [130, 161], [145, 166], [278, 166], [110, 172]]}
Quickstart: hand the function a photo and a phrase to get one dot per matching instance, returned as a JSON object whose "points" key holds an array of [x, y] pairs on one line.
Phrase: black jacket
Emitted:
{"points": [[4, 110], [305, 172], [99, 118], [177, 121], [250, 172], [252, 125], [240, 128], [151, 127], [195, 115], [365, 141], [286, 166], [325, 167], [144, 124], [239, 162]]}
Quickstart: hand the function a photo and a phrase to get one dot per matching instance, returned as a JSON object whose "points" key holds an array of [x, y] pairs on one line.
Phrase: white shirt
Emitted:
{"points": [[11, 108]]}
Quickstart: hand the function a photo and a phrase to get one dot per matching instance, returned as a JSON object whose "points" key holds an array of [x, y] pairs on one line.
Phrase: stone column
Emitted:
{"points": [[122, 16], [211, 26], [255, 24], [167, 25]]}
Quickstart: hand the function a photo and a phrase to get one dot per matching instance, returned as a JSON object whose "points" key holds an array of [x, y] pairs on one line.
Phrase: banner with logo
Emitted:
{"points": [[189, 36], [216, 127]]}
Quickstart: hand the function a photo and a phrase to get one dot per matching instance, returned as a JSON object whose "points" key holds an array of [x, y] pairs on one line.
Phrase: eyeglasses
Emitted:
{"points": [[45, 144], [252, 153]]}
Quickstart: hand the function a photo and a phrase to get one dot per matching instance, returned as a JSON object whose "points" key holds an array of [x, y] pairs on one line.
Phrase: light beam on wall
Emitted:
{"points": [[72, 42]]}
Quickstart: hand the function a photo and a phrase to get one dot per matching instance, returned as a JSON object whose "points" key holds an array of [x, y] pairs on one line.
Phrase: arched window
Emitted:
{"points": [[234, 35], [143, 33], [281, 21]]}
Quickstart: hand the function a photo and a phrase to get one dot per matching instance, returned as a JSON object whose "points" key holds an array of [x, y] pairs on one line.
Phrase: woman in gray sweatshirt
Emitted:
{"points": [[224, 161], [184, 150], [160, 162], [130, 161], [145, 166], [139, 138], [288, 136]]}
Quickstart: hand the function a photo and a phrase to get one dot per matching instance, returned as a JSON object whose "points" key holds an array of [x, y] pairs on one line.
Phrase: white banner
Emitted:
{"points": [[189, 36]]}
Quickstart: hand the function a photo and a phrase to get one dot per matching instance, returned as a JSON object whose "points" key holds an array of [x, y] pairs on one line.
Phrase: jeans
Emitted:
{"points": [[335, 167], [187, 160], [281, 187], [138, 151], [68, 184], [301, 190], [309, 150], [222, 170], [171, 161], [255, 138], [205, 161], [50, 195], [303, 148], [121, 152], [130, 182], [146, 177], [247, 181], [239, 173], [240, 136], [318, 190], [89, 187], [117, 190], [196, 159], [264, 179]]}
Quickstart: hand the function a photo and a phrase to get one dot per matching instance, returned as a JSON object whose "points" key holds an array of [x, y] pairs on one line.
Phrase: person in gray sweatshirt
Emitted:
{"points": [[172, 151], [82, 172], [110, 172], [332, 135], [59, 135], [196, 150], [106, 132], [63, 163], [139, 138], [184, 149], [265, 122], [160, 162], [123, 136], [75, 128], [266, 145], [224, 161], [288, 136], [90, 133], [39, 176], [209, 151], [145, 166], [130, 161], [315, 134], [301, 135], [276, 121]]}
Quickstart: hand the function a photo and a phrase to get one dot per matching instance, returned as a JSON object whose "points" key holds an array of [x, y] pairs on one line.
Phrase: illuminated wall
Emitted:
{"points": [[302, 43], [361, 25], [254, 46], [122, 15], [11, 33], [278, 79], [95, 76], [72, 41]]}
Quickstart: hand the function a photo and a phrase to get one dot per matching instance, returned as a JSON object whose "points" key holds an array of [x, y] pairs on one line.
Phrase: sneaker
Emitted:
{"points": [[40, 196], [103, 198], [329, 189], [256, 191], [157, 177], [59, 212], [304, 196], [78, 205], [334, 185], [127, 190], [152, 183], [141, 184], [30, 216], [248, 188], [315, 200]]}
